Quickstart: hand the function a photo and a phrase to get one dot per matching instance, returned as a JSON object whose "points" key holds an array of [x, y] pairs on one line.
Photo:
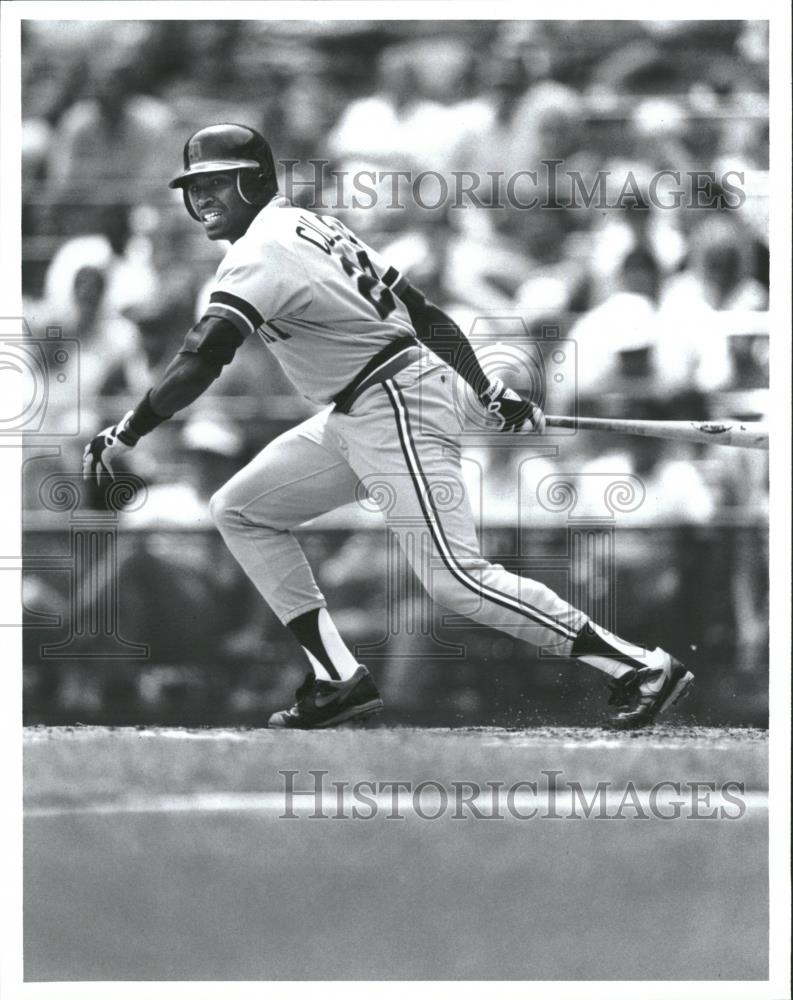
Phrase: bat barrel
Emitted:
{"points": [[734, 433]]}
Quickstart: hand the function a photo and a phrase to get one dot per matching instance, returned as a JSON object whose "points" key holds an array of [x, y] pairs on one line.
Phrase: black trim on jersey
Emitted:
{"points": [[250, 313], [435, 525], [346, 397], [281, 333]]}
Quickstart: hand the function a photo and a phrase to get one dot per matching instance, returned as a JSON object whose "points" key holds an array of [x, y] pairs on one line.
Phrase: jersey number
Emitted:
{"points": [[369, 285]]}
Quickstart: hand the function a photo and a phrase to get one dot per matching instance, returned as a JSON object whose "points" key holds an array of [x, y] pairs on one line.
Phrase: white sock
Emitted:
{"points": [[613, 667], [329, 657], [341, 658], [319, 671]]}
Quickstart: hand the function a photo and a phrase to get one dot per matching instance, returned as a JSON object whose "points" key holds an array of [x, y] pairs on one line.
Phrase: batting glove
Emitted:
{"points": [[511, 411], [108, 445]]}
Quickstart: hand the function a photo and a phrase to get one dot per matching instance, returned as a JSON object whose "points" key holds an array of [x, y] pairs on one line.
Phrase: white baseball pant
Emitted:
{"points": [[398, 448]]}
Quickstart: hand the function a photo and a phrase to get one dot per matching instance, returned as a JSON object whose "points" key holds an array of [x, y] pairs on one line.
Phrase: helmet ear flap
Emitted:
{"points": [[253, 191], [240, 190], [253, 188], [189, 205]]}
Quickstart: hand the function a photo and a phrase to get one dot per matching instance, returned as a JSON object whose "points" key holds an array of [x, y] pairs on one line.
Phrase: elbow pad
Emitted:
{"points": [[214, 340]]}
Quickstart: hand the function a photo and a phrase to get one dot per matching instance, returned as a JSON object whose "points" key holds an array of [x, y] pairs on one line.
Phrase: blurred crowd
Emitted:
{"points": [[666, 306], [662, 306]]}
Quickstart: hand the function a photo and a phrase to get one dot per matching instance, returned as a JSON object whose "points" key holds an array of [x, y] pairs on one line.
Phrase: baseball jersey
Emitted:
{"points": [[323, 302]]}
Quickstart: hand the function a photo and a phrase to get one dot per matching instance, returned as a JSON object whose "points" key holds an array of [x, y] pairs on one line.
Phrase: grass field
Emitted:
{"points": [[158, 854]]}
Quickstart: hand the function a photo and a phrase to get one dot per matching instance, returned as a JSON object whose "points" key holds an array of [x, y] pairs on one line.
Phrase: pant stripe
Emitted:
{"points": [[435, 526]]}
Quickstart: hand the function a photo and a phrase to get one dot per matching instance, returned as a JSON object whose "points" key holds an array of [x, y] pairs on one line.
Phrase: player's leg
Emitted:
{"points": [[409, 455], [402, 447], [298, 476]]}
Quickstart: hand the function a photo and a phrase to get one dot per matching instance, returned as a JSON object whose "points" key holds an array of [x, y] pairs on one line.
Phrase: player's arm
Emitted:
{"points": [[208, 347], [513, 412]]}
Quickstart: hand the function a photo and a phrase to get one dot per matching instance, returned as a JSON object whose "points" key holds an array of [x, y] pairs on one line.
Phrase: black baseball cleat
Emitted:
{"points": [[623, 690], [323, 703], [658, 687]]}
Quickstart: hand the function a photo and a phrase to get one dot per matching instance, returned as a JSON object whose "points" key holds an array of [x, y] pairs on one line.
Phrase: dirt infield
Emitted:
{"points": [[93, 763], [177, 854]]}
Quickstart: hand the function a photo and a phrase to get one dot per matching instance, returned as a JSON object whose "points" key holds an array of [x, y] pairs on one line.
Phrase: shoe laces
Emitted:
{"points": [[623, 689], [305, 689], [311, 684], [646, 677]]}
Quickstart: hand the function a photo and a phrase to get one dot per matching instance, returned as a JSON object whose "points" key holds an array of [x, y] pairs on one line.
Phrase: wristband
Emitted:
{"points": [[140, 421]]}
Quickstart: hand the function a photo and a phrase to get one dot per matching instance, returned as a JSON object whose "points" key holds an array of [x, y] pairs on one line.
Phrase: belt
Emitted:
{"points": [[395, 356]]}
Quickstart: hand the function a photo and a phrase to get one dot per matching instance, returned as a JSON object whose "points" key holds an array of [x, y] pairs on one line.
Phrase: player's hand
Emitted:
{"points": [[104, 449], [512, 411]]}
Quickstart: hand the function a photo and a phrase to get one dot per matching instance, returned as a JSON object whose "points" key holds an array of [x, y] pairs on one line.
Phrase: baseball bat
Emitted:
{"points": [[735, 433]]}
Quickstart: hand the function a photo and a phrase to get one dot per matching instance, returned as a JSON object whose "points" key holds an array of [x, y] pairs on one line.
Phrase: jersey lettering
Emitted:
{"points": [[320, 299], [339, 240], [302, 232]]}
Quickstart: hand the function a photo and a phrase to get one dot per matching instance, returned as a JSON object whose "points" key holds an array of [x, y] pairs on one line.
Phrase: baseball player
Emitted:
{"points": [[352, 333]]}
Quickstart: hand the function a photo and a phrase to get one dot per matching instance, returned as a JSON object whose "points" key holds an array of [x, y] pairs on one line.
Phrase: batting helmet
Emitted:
{"points": [[229, 146]]}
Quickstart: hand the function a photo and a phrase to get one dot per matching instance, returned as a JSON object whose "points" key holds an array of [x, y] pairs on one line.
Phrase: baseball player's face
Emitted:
{"points": [[217, 203]]}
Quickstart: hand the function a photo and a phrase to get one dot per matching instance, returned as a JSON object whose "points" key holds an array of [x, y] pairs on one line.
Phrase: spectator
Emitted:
{"points": [[632, 222], [674, 490], [376, 127], [156, 342], [504, 84], [79, 300], [718, 276], [210, 88], [617, 341], [486, 263], [113, 140], [414, 121]]}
